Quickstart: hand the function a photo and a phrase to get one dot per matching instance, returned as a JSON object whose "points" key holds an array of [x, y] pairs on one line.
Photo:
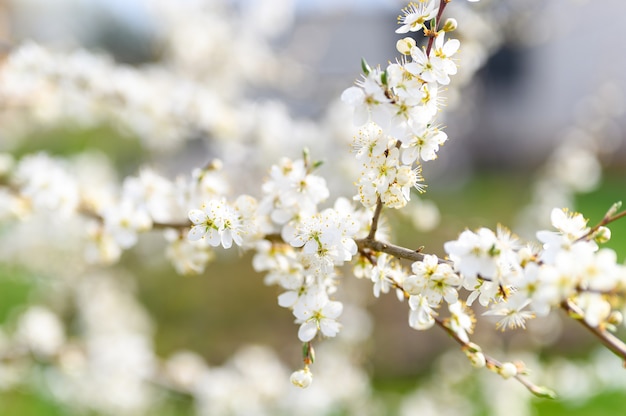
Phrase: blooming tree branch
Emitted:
{"points": [[304, 242]]}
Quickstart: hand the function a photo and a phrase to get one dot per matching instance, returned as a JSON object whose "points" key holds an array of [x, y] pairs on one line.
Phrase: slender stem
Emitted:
{"points": [[616, 345], [492, 362], [155, 225], [431, 39], [606, 220], [392, 249], [375, 218], [176, 225]]}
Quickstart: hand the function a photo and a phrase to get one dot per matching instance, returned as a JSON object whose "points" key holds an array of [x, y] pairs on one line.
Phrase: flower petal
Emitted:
{"points": [[307, 331], [196, 232], [196, 216]]}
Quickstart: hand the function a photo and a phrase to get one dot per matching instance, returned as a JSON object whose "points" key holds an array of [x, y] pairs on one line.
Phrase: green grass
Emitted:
{"points": [[15, 287], [126, 152], [25, 403], [605, 404]]}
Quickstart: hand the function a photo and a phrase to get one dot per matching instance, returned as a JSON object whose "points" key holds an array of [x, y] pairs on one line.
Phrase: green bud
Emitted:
{"points": [[308, 353], [544, 392], [317, 164], [433, 23], [384, 77], [614, 208], [450, 25], [365, 67]]}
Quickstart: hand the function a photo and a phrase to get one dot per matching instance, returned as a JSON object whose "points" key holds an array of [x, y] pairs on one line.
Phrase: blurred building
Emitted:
{"points": [[552, 68]]}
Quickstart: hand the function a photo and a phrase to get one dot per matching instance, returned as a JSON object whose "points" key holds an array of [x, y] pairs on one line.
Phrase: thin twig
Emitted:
{"points": [[375, 218], [494, 363], [431, 39], [394, 250], [606, 220], [614, 344], [490, 361]]}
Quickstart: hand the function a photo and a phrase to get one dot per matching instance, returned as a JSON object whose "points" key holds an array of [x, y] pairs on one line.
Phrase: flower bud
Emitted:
{"points": [[477, 359], [450, 25], [302, 378], [615, 318], [508, 370], [405, 45], [602, 235], [543, 392], [474, 354]]}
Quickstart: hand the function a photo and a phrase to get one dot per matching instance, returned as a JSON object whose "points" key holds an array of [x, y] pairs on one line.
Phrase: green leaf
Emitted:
{"points": [[366, 68], [384, 78]]}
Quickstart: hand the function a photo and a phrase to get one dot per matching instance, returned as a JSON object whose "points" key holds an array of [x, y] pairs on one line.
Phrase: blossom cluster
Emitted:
{"points": [[303, 241], [312, 244], [520, 281], [397, 109]]}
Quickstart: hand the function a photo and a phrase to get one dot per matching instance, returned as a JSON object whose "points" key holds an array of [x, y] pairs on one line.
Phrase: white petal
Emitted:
{"points": [[310, 247], [329, 327], [196, 232], [196, 216], [353, 96], [227, 239], [307, 331], [213, 237], [451, 47], [332, 309], [287, 299]]}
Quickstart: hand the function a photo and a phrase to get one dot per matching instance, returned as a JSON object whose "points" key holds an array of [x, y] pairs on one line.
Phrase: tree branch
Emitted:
{"points": [[375, 218], [392, 249], [433, 31], [614, 344], [494, 363]]}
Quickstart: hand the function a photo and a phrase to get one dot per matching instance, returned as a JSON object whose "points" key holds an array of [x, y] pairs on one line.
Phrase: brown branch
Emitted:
{"points": [[178, 226], [608, 218], [155, 225], [490, 362], [614, 344], [375, 218], [432, 33], [392, 249], [494, 363]]}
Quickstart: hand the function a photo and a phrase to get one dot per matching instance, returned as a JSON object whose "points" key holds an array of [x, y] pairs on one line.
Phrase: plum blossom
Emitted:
{"points": [[326, 239], [317, 313], [474, 254], [188, 257], [47, 184], [421, 315], [512, 312], [571, 227], [438, 66], [416, 15], [461, 320], [433, 280], [422, 143], [217, 223], [124, 221], [292, 191], [369, 142], [369, 100]]}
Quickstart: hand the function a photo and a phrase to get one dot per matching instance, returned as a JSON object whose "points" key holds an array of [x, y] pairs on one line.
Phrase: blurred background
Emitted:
{"points": [[535, 119]]}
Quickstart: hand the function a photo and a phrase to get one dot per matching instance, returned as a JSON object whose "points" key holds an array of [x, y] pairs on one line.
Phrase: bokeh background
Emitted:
{"points": [[535, 119]]}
